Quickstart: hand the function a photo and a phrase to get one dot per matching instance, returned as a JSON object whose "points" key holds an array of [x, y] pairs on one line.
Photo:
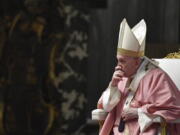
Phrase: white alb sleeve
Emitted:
{"points": [[111, 97], [146, 120]]}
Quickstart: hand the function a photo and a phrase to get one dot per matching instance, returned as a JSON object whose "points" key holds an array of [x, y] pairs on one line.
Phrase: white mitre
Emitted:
{"points": [[132, 41]]}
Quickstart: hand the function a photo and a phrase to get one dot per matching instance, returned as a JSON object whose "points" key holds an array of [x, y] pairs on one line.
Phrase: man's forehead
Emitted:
{"points": [[126, 58], [119, 56]]}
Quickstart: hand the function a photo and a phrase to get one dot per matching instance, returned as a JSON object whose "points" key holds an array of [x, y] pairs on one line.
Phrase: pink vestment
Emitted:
{"points": [[156, 95]]}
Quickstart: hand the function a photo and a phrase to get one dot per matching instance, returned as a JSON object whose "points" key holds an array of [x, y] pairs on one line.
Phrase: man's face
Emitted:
{"points": [[128, 65]]}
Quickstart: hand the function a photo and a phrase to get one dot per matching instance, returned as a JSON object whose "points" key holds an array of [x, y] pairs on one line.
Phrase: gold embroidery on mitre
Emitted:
{"points": [[130, 53]]}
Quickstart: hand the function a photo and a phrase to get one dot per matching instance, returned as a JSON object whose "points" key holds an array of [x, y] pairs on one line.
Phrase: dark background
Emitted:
{"points": [[57, 56]]}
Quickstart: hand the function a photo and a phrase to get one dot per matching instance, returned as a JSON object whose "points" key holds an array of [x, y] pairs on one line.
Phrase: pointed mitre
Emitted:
{"points": [[132, 41]]}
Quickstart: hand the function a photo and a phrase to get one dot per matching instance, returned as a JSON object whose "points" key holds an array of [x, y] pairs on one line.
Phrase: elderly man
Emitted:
{"points": [[141, 99]]}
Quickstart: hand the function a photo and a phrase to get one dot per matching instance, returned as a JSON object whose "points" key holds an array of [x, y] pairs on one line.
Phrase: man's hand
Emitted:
{"points": [[117, 76], [130, 113]]}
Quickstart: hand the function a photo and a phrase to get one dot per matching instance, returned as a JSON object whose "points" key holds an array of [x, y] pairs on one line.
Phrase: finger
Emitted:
{"points": [[117, 76], [119, 73], [126, 118], [117, 79]]}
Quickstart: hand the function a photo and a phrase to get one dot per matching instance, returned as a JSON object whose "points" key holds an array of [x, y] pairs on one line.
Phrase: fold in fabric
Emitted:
{"points": [[146, 120]]}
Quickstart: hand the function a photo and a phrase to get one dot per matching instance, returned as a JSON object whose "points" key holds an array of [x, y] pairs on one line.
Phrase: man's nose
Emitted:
{"points": [[119, 66]]}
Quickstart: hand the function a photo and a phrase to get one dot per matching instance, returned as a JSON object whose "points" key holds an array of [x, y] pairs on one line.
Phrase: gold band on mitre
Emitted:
{"points": [[130, 53]]}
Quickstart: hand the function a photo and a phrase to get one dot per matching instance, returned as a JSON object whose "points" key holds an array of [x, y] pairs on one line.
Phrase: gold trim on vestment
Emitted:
{"points": [[130, 53]]}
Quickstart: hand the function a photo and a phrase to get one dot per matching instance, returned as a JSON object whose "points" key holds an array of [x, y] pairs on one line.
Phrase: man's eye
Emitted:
{"points": [[121, 61]]}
